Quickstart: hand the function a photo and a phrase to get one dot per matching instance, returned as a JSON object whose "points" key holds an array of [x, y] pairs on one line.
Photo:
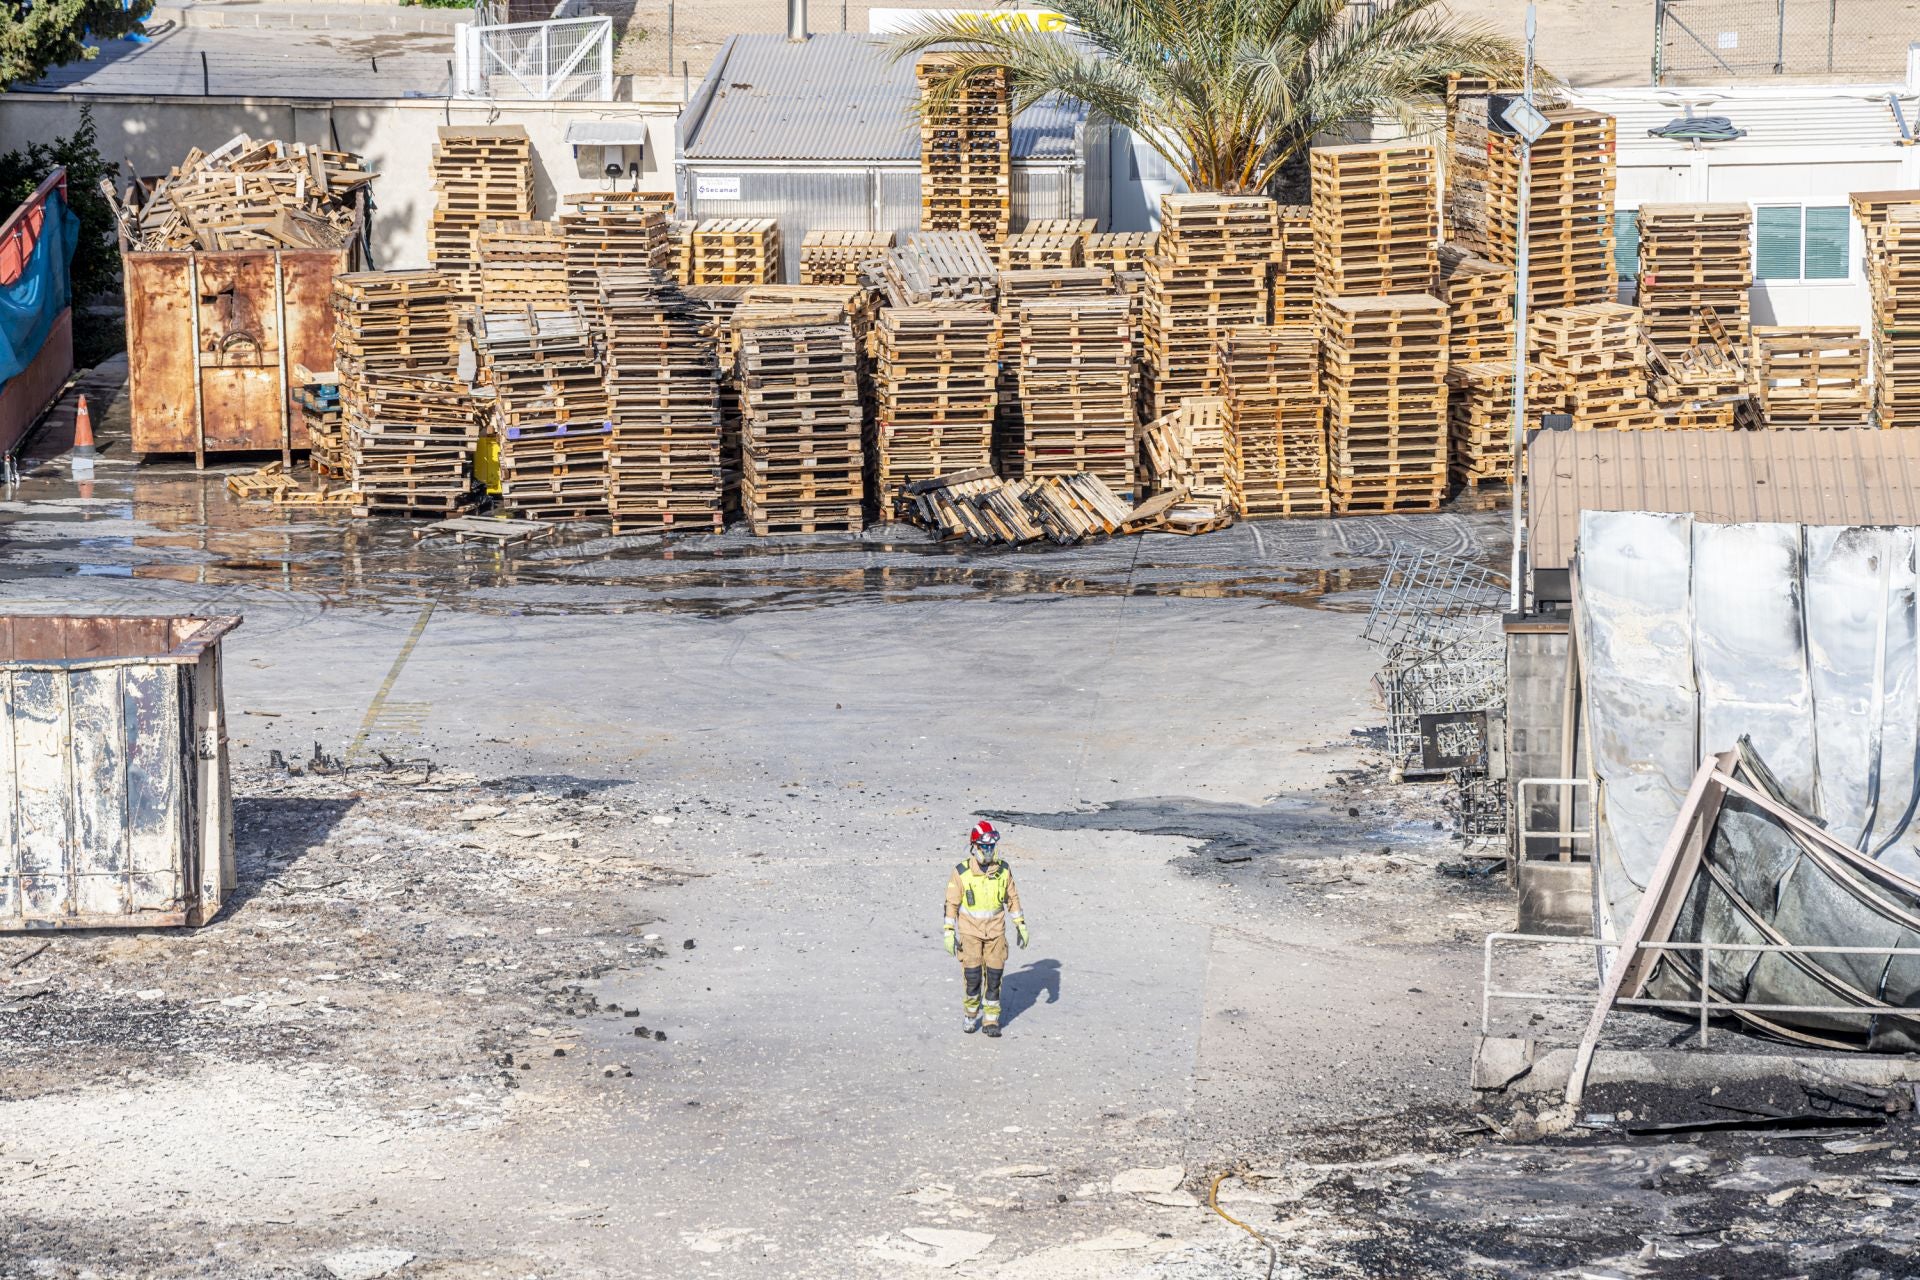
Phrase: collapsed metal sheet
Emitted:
{"points": [[1799, 645]]}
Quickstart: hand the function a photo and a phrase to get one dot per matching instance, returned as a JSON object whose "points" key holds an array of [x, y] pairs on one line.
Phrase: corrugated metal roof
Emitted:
{"points": [[1836, 476], [1859, 118], [1047, 130], [837, 96]]}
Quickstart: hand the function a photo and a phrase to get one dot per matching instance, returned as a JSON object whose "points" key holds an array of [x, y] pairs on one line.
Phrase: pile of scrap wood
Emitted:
{"points": [[1708, 384], [251, 195], [980, 507], [938, 266], [273, 483]]}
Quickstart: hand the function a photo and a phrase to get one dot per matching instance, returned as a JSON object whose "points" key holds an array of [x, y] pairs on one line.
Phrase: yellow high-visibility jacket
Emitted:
{"points": [[978, 903]]}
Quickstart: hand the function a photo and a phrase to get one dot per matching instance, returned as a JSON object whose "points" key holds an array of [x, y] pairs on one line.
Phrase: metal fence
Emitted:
{"points": [[1720, 40], [568, 60]]}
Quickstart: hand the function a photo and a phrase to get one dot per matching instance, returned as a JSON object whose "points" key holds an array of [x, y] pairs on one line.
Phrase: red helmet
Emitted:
{"points": [[983, 835]]}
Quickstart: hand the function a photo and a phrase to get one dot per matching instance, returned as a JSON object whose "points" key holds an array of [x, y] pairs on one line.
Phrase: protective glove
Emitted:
{"points": [[1020, 932], [952, 946]]}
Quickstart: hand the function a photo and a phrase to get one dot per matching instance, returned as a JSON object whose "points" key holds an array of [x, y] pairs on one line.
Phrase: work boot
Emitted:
{"points": [[970, 1023], [993, 1029]]}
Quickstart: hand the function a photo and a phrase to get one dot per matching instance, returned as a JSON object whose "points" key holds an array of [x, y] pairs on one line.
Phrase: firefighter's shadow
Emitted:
{"points": [[1021, 988]]}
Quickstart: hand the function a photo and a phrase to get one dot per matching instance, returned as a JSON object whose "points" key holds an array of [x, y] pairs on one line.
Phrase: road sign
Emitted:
{"points": [[1525, 120]]}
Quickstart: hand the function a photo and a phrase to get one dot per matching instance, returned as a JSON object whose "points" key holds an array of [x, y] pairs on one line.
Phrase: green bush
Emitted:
{"points": [[96, 257]]}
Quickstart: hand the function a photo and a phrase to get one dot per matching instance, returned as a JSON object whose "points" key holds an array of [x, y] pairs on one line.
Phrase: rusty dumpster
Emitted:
{"points": [[114, 786], [211, 339]]}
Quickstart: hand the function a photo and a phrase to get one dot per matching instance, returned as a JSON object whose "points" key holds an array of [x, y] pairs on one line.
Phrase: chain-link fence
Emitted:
{"points": [[1697, 41]]}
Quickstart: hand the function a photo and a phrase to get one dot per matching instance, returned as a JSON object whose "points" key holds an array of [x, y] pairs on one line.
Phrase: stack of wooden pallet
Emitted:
{"points": [[548, 411], [663, 397], [977, 505], [1596, 358], [1207, 277], [716, 305], [1296, 278], [1694, 258], [938, 266], [1120, 250], [934, 387], [798, 369], [680, 242], [1812, 375], [318, 395], [1480, 420], [409, 419], [966, 153], [1467, 132], [836, 257], [1570, 209], [1077, 391], [1480, 307], [1276, 447], [612, 231], [1186, 451], [523, 264], [1014, 289], [735, 251], [1039, 250], [247, 194], [479, 176], [1893, 283], [1374, 218], [1384, 378]]}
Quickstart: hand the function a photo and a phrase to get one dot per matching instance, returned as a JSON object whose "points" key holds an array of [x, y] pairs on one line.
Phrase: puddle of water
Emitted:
{"points": [[167, 522]]}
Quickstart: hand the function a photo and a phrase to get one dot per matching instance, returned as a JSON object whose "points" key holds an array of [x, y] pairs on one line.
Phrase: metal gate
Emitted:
{"points": [[1708, 40], [564, 60]]}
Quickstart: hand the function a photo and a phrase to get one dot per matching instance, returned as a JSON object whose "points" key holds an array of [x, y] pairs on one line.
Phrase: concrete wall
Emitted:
{"points": [[151, 134], [1758, 176]]}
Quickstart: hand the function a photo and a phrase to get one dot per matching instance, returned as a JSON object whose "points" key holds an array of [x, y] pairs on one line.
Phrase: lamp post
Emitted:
{"points": [[1526, 121]]}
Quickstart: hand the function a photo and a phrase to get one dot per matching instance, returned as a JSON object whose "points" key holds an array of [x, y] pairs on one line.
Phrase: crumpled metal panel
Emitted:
{"points": [[1800, 643]]}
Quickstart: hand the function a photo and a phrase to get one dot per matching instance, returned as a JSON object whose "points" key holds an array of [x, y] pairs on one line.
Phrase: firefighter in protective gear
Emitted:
{"points": [[980, 900]]}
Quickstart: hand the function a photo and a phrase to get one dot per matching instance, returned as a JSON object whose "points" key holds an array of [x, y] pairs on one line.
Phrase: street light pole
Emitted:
{"points": [[1520, 337]]}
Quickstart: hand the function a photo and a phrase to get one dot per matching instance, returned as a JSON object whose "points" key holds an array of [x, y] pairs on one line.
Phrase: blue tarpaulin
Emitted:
{"points": [[30, 305]]}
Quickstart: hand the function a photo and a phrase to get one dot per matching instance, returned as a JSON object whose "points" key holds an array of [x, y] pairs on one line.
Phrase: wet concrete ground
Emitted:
{"points": [[1244, 955]]}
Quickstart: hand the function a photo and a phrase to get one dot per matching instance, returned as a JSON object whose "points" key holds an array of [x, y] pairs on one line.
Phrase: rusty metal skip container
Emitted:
{"points": [[115, 799]]}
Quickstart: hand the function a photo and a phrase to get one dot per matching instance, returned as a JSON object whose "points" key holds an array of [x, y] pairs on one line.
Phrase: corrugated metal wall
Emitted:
{"points": [[840, 196]]}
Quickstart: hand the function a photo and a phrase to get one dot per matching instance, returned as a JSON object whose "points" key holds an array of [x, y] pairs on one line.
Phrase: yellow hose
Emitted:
{"points": [[1213, 1201]]}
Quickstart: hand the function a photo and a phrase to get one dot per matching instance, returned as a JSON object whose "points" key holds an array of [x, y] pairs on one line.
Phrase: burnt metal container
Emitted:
{"points": [[212, 338], [114, 789]]}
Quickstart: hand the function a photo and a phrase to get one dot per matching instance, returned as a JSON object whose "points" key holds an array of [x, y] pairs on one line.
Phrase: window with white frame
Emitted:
{"points": [[1800, 242]]}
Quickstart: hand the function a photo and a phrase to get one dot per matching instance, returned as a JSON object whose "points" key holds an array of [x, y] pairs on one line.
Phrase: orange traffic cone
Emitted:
{"points": [[83, 432]]}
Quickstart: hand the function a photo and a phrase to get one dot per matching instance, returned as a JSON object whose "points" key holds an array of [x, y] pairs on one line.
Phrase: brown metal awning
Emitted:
{"points": [[1847, 475]]}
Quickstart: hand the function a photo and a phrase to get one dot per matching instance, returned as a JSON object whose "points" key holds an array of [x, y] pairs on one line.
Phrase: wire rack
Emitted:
{"points": [[1428, 600]]}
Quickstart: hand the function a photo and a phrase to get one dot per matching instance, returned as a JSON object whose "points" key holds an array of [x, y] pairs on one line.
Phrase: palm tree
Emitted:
{"points": [[1228, 91]]}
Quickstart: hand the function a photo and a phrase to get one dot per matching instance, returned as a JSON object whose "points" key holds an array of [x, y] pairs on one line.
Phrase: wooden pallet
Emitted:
{"points": [[1382, 372], [1375, 218], [1209, 276], [408, 419], [479, 175], [939, 266], [801, 459], [1120, 250], [935, 393], [1076, 390], [1694, 257], [1570, 209], [1812, 375], [839, 257], [966, 152], [1480, 306], [1275, 443]]}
